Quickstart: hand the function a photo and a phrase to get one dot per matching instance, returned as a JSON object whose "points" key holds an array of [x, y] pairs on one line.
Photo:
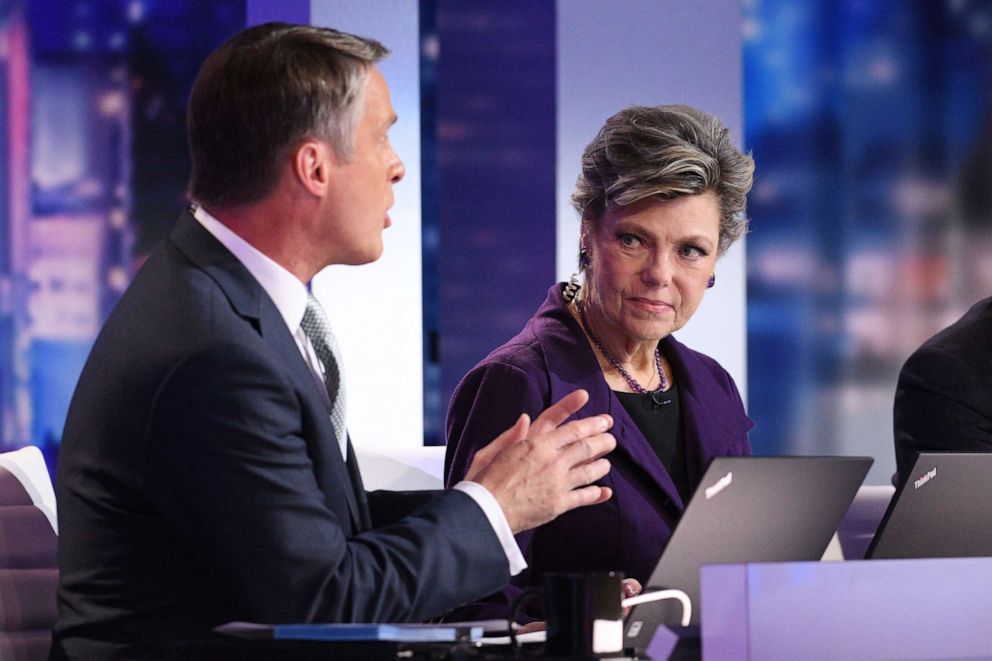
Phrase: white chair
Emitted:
{"points": [[28, 556], [28, 466], [402, 468]]}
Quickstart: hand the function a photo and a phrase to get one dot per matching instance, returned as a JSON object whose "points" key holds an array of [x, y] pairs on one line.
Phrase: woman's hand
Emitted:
{"points": [[530, 627], [630, 587]]}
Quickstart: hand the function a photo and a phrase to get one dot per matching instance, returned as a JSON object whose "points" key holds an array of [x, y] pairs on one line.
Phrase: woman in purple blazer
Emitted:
{"points": [[662, 193]]}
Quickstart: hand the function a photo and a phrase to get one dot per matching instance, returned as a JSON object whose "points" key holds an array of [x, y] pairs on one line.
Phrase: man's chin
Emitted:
{"points": [[366, 257], [357, 256]]}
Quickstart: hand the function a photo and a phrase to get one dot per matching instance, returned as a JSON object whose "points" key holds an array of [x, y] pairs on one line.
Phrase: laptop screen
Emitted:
{"points": [[750, 509], [944, 510]]}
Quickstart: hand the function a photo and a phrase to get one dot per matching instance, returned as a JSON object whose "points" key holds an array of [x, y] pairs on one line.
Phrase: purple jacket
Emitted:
{"points": [[547, 360]]}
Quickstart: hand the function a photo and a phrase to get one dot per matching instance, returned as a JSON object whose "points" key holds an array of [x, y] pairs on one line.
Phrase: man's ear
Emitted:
{"points": [[312, 165]]}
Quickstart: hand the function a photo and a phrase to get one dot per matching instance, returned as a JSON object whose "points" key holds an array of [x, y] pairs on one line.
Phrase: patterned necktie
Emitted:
{"points": [[318, 331]]}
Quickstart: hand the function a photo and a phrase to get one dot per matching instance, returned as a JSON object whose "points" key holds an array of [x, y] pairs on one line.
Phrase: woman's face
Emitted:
{"points": [[650, 262]]}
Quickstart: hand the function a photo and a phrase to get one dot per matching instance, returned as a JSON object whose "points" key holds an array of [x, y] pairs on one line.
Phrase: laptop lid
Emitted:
{"points": [[749, 509], [944, 510]]}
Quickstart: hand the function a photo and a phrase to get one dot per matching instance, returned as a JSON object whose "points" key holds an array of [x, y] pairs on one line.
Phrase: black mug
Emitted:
{"points": [[583, 613]]}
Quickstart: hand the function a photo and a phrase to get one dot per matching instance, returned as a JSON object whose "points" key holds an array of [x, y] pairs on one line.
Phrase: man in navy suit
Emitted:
{"points": [[200, 478]]}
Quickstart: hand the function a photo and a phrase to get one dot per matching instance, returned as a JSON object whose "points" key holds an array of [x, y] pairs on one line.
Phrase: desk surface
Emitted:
{"points": [[226, 648]]}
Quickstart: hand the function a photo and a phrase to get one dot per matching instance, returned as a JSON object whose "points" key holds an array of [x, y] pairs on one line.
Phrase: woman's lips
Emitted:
{"points": [[651, 305]]}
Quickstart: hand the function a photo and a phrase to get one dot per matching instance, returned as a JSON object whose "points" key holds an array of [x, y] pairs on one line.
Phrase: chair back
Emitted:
{"points": [[28, 561], [402, 468]]}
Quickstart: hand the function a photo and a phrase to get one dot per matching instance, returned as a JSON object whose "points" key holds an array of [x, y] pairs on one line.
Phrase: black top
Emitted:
{"points": [[661, 423]]}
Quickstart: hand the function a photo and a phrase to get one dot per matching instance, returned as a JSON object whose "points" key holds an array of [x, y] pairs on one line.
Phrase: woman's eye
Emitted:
{"points": [[692, 252]]}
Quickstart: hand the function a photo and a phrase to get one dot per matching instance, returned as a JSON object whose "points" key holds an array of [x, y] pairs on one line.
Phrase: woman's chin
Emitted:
{"points": [[647, 332]]}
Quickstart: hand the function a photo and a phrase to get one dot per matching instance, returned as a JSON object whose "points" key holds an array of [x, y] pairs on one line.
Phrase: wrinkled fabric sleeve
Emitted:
{"points": [[486, 403]]}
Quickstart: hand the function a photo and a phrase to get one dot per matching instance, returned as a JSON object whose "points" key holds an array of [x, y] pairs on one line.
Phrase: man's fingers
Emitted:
{"points": [[553, 472], [591, 495], [578, 430], [560, 411], [588, 473], [514, 434], [586, 449]]}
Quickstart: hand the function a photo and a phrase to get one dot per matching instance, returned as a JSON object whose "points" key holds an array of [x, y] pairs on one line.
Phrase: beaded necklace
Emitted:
{"points": [[634, 385]]}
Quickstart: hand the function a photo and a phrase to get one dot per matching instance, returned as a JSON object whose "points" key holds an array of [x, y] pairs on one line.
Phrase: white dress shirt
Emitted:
{"points": [[290, 298]]}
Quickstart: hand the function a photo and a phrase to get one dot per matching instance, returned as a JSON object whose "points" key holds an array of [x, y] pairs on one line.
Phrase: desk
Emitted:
{"points": [[226, 648], [936, 608]]}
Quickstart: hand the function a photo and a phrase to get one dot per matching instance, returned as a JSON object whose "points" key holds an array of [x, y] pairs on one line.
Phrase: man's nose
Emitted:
{"points": [[398, 170]]}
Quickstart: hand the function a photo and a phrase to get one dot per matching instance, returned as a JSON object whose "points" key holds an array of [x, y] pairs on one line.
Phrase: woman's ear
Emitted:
{"points": [[584, 244]]}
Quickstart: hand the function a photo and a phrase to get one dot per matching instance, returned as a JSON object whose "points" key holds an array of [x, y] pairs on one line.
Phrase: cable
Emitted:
{"points": [[658, 595]]}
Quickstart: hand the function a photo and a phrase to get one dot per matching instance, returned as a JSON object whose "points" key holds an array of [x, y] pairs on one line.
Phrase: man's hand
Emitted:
{"points": [[537, 471]]}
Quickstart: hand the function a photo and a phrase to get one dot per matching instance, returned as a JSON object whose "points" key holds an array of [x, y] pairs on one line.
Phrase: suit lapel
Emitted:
{"points": [[250, 301], [707, 431], [273, 329]]}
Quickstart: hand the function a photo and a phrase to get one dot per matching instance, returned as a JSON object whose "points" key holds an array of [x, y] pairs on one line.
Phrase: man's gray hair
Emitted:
{"points": [[665, 152], [264, 91]]}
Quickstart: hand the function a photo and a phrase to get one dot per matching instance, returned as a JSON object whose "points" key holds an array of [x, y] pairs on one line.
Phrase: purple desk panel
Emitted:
{"points": [[871, 609]]}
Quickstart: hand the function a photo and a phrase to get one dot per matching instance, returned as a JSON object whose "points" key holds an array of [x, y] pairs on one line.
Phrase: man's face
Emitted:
{"points": [[360, 190]]}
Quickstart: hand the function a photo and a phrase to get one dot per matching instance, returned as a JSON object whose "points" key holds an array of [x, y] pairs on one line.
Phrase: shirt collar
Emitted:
{"points": [[284, 288]]}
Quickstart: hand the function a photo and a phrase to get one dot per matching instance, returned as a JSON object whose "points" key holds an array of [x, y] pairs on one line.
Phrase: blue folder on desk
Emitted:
{"points": [[399, 633]]}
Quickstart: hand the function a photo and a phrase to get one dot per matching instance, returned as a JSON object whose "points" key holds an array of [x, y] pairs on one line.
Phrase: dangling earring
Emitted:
{"points": [[573, 286], [711, 281], [571, 289]]}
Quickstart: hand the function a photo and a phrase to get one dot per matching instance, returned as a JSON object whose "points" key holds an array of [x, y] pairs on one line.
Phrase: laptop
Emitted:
{"points": [[748, 509], [944, 510]]}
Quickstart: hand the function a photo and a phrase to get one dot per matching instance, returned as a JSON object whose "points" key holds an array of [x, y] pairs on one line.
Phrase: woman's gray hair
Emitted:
{"points": [[665, 152]]}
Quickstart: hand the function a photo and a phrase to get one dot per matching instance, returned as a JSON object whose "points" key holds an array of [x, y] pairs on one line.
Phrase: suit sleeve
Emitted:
{"points": [[941, 405], [388, 507], [229, 470], [486, 403]]}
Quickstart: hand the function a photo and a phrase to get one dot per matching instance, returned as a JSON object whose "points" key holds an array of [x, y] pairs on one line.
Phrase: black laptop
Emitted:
{"points": [[944, 510], [749, 509]]}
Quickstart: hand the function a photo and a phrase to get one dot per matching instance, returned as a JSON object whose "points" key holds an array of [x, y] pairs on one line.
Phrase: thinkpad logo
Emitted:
{"points": [[925, 478], [720, 485]]}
